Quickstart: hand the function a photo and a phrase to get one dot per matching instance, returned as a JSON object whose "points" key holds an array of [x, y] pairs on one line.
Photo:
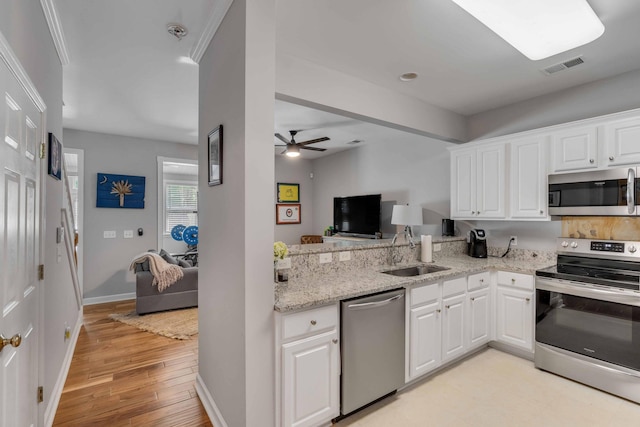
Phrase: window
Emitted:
{"points": [[181, 204]]}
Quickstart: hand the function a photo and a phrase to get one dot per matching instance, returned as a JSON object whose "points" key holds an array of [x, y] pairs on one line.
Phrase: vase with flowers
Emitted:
{"points": [[280, 251]]}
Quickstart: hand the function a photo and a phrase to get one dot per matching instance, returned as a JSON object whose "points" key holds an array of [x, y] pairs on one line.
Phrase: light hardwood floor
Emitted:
{"points": [[122, 376]]}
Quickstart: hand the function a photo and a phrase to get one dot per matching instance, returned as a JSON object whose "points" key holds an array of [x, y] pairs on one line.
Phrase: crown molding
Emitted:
{"points": [[219, 11], [55, 27]]}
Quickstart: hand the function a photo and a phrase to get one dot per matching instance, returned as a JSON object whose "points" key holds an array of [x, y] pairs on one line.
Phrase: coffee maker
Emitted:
{"points": [[477, 243]]}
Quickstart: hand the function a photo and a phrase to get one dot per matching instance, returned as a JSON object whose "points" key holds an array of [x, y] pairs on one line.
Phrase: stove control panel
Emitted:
{"points": [[607, 247], [602, 248]]}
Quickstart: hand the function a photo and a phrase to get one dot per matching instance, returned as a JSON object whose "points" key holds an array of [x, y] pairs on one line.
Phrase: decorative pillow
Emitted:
{"points": [[184, 263], [165, 255]]}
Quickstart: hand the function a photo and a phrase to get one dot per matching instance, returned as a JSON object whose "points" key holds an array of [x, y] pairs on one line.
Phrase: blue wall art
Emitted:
{"points": [[120, 191]]}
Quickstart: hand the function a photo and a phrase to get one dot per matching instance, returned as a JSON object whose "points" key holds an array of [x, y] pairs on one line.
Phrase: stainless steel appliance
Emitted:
{"points": [[588, 315], [477, 243], [372, 346], [604, 192]]}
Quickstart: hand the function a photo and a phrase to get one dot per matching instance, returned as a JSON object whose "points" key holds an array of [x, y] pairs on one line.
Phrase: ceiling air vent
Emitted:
{"points": [[562, 66]]}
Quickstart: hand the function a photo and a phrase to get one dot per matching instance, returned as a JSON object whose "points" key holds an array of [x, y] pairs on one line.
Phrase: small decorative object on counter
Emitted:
{"points": [[328, 231], [280, 251]]}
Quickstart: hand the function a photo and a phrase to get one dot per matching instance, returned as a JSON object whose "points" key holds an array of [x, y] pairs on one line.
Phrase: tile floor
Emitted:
{"points": [[497, 389]]}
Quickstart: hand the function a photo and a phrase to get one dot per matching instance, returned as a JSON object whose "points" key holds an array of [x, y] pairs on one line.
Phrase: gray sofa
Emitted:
{"points": [[182, 294]]}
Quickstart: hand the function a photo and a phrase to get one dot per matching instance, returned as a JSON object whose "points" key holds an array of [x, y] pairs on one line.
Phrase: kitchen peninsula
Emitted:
{"points": [[449, 314]]}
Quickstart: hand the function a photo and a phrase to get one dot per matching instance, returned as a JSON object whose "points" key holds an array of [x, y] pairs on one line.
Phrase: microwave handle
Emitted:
{"points": [[631, 191]]}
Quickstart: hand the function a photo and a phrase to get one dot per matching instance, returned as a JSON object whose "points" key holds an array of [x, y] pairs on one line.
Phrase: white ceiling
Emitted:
{"points": [[125, 76]]}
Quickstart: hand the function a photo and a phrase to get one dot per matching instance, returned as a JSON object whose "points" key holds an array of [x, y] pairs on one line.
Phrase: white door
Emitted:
{"points": [[514, 317], [575, 149], [424, 341], [623, 142], [20, 121], [463, 184], [529, 178], [490, 199], [310, 380], [453, 327], [479, 317]]}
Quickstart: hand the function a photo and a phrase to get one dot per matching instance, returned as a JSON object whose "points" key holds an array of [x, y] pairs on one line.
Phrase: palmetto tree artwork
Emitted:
{"points": [[121, 189]]}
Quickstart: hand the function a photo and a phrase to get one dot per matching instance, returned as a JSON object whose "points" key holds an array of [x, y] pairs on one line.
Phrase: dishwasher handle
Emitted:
{"points": [[375, 303]]}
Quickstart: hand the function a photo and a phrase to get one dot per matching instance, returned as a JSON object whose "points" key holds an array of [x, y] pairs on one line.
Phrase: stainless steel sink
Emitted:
{"points": [[416, 271]]}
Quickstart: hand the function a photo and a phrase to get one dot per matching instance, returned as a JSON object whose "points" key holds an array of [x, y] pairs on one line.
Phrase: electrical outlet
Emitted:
{"points": [[284, 263], [514, 240], [110, 234], [344, 255], [128, 234], [67, 331], [325, 258], [437, 247]]}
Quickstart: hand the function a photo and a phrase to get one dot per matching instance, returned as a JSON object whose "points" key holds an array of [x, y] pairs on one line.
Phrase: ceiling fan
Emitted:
{"points": [[293, 147]]}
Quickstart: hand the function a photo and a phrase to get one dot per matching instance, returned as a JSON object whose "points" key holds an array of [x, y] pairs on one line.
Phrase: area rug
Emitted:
{"points": [[178, 324]]}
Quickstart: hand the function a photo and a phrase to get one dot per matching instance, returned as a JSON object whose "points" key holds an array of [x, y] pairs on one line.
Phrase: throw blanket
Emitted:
{"points": [[164, 274]]}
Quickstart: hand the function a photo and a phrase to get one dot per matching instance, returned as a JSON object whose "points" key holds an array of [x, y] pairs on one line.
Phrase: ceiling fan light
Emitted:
{"points": [[292, 151], [538, 29]]}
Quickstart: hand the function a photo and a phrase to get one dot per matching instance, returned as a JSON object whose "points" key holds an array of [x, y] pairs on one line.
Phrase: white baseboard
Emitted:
{"points": [[56, 393], [109, 298], [215, 416]]}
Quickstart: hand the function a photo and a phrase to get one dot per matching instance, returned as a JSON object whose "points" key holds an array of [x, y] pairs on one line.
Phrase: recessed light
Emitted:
{"points": [[407, 77]]}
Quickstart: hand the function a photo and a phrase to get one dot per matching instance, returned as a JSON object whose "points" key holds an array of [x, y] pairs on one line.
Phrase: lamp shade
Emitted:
{"points": [[406, 215]]}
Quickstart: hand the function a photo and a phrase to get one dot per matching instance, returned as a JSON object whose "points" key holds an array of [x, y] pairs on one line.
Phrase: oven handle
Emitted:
{"points": [[631, 191], [580, 290]]}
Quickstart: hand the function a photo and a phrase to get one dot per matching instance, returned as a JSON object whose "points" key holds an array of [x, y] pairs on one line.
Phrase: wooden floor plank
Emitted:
{"points": [[122, 376]]}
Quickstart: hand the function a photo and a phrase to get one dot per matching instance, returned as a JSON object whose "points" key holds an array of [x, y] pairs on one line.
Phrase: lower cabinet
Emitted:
{"points": [[453, 327], [479, 326], [309, 368], [515, 310], [424, 339]]}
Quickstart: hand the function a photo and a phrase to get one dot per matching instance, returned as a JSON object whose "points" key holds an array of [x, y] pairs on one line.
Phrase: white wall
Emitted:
{"points": [[22, 23], [606, 96], [236, 231], [410, 169], [295, 171], [106, 261]]}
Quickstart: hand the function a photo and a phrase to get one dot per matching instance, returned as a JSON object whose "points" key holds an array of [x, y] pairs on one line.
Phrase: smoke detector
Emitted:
{"points": [[177, 30], [562, 66]]}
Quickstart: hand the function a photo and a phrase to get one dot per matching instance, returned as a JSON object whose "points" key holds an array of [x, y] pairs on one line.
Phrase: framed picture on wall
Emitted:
{"points": [[288, 193], [287, 213], [55, 157], [215, 156]]}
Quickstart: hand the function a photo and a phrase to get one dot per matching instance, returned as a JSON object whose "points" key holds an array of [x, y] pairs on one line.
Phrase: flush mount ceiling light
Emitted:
{"points": [[538, 29], [177, 30], [292, 151], [407, 77]]}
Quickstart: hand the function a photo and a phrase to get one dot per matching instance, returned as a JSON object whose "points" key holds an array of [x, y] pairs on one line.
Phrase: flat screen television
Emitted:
{"points": [[357, 215]]}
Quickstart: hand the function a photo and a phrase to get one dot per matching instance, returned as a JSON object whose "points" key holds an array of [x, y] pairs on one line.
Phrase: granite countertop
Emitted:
{"points": [[315, 291]]}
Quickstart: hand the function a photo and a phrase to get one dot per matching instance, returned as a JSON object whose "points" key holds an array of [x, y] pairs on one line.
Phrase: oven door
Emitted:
{"points": [[599, 323]]}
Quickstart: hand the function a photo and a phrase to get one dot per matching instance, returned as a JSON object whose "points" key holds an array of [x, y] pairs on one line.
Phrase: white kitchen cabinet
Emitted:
{"points": [[479, 324], [424, 339], [515, 310], [453, 318], [528, 191], [574, 149], [478, 182], [622, 142], [309, 367]]}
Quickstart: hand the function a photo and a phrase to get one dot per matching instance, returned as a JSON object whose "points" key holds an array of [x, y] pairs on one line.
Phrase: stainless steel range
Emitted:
{"points": [[588, 315]]}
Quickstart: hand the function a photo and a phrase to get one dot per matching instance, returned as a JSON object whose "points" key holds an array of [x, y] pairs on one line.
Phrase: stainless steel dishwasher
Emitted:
{"points": [[372, 348]]}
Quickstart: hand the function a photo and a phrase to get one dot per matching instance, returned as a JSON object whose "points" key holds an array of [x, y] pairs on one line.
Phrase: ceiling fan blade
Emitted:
{"points": [[312, 148], [279, 145], [313, 141], [284, 151], [282, 138]]}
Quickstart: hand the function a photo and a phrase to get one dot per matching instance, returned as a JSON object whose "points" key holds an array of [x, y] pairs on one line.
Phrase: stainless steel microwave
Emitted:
{"points": [[610, 192]]}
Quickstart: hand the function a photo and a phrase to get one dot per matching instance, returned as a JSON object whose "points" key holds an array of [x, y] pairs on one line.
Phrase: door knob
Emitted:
{"points": [[14, 341]]}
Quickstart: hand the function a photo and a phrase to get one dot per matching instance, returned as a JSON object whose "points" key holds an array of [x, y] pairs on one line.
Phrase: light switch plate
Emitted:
{"points": [[109, 234], [128, 234], [325, 258], [344, 255], [284, 263]]}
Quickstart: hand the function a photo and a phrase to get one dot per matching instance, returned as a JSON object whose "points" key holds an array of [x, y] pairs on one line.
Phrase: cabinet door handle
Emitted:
{"points": [[591, 161], [541, 212], [611, 158], [473, 298], [335, 341], [481, 280], [447, 307], [473, 212], [513, 280], [438, 310], [527, 299], [313, 323]]}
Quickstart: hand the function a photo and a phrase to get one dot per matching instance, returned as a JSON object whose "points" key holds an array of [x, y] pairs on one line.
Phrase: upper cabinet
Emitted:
{"points": [[623, 142], [528, 172], [574, 149], [478, 182]]}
